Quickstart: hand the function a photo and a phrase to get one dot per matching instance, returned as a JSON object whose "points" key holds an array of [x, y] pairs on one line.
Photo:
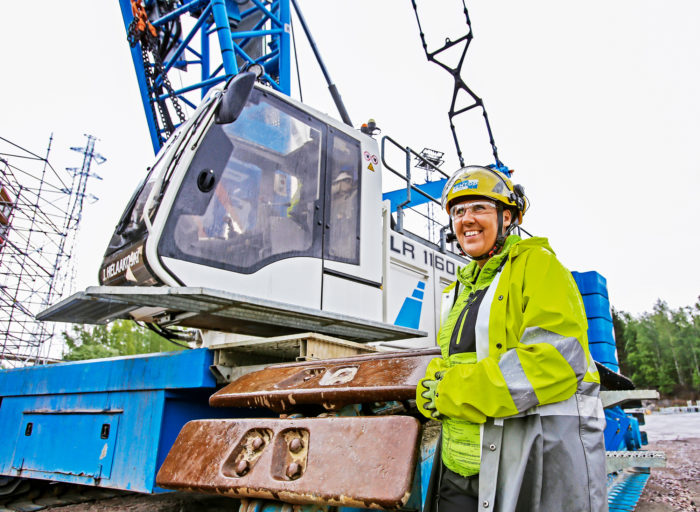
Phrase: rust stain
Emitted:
{"points": [[335, 461], [334, 383]]}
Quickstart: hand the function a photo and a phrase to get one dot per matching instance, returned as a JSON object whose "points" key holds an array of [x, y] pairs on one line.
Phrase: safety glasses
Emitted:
{"points": [[474, 208]]}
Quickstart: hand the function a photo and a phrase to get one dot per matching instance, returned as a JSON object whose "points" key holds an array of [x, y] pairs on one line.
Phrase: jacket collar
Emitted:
{"points": [[471, 277], [530, 243]]}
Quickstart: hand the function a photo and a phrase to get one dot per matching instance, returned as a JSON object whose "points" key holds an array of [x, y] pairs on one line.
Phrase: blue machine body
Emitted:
{"points": [[108, 422], [633, 437], [616, 427], [601, 336], [621, 430]]}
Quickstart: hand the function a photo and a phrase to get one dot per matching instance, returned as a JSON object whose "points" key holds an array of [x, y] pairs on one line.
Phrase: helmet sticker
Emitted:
{"points": [[498, 188], [466, 184]]}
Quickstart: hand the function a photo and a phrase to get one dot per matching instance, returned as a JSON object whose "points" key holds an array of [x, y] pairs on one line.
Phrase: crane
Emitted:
{"points": [[261, 226]]}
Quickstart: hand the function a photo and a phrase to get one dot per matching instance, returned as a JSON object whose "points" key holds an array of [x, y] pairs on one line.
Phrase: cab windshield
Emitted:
{"points": [[251, 194]]}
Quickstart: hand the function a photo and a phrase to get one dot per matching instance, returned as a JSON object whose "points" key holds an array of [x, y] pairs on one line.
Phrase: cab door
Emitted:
{"points": [[352, 241]]}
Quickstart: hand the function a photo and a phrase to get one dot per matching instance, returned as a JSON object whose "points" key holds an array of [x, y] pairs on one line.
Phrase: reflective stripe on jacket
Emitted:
{"points": [[532, 385]]}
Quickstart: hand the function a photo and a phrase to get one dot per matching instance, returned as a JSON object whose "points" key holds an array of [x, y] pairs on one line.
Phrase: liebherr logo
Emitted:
{"points": [[122, 264], [409, 315]]}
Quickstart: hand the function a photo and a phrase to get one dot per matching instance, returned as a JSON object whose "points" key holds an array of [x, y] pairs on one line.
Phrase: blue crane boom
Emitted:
{"points": [[166, 36]]}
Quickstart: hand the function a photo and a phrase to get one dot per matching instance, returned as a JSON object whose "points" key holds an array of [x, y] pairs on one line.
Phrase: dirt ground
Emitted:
{"points": [[677, 486]]}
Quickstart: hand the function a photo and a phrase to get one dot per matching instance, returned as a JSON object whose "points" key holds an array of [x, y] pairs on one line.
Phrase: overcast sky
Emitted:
{"points": [[595, 105]]}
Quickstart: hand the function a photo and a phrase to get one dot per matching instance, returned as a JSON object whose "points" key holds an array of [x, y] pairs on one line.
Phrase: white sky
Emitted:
{"points": [[595, 105]]}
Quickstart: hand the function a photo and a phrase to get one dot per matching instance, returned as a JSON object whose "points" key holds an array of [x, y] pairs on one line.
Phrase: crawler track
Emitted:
{"points": [[625, 490]]}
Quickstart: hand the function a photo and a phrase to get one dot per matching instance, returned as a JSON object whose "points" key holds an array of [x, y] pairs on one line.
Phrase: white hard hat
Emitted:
{"points": [[342, 176]]}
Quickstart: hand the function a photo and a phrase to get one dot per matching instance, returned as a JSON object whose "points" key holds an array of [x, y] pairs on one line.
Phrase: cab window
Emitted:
{"points": [[343, 212], [251, 193]]}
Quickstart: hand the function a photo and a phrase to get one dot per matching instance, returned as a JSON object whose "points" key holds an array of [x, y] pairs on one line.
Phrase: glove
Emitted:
{"points": [[430, 393], [426, 390]]}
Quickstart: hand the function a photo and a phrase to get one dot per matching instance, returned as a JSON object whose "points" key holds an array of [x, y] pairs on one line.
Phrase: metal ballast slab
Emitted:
{"points": [[206, 308], [620, 460]]}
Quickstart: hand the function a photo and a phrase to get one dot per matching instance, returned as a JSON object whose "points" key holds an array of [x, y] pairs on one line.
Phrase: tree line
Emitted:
{"points": [[120, 338], [661, 349]]}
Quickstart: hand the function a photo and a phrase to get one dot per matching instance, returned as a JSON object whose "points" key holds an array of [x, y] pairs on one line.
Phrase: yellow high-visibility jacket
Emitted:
{"points": [[519, 389]]}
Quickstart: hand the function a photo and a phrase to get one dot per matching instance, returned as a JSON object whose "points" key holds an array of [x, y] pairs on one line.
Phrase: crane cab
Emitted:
{"points": [[282, 203]]}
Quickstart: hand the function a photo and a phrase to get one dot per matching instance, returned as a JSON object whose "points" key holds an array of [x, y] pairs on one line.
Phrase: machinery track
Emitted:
{"points": [[25, 495], [625, 490], [28, 495]]}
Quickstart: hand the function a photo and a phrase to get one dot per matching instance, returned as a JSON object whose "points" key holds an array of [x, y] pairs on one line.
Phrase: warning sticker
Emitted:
{"points": [[370, 167], [367, 155]]}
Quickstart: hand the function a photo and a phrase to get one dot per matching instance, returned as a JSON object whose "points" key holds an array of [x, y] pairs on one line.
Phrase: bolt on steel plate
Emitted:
{"points": [[366, 462]]}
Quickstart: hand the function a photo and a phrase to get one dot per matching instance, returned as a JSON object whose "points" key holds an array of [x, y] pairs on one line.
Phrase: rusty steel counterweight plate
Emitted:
{"points": [[366, 462], [333, 382]]}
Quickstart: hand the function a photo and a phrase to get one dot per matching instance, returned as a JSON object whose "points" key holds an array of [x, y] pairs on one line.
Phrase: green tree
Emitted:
{"points": [[644, 356], [620, 321], [661, 348], [87, 343], [121, 338], [691, 339]]}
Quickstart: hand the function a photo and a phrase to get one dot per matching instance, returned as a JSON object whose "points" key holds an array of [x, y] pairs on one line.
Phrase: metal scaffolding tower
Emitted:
{"points": [[40, 212]]}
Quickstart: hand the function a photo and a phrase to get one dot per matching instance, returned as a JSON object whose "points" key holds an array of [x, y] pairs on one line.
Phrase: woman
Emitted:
{"points": [[516, 389]]}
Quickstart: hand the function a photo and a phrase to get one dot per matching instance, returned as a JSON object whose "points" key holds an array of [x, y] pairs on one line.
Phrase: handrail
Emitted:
{"points": [[409, 185]]}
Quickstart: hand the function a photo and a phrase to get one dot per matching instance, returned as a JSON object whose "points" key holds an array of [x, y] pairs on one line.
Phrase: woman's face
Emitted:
{"points": [[475, 223]]}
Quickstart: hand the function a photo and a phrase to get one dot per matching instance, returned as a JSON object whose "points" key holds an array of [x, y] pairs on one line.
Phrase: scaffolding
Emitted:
{"points": [[40, 213]]}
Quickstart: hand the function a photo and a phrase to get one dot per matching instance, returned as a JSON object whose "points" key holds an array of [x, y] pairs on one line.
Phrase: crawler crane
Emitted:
{"points": [[310, 308]]}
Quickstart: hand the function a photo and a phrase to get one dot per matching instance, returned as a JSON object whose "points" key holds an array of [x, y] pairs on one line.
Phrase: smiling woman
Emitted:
{"points": [[476, 226], [516, 389]]}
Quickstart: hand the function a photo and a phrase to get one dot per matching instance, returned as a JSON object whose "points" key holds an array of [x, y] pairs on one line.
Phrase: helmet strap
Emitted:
{"points": [[500, 238], [452, 237]]}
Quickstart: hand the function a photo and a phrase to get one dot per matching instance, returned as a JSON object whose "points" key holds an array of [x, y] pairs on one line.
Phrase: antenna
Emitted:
{"points": [[430, 160]]}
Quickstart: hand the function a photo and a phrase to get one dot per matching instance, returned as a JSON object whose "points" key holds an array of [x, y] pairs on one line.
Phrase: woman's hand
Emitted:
{"points": [[429, 393]]}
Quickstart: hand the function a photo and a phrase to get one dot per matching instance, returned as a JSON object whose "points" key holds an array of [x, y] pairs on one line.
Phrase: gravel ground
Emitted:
{"points": [[677, 486]]}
